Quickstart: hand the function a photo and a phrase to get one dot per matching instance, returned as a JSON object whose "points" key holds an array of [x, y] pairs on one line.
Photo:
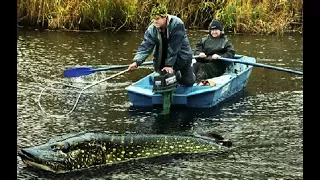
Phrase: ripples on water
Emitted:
{"points": [[264, 122]]}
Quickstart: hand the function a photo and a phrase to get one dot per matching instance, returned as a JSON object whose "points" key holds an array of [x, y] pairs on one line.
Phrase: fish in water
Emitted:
{"points": [[76, 151]]}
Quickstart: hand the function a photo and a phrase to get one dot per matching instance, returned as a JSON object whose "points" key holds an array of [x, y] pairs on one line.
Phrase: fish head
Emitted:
{"points": [[50, 157], [65, 155]]}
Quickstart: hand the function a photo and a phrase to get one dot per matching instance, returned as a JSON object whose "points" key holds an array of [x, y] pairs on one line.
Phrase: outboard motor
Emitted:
{"points": [[165, 84]]}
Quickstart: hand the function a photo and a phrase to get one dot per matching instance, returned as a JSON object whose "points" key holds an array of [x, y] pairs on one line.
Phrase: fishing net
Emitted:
{"points": [[65, 95]]}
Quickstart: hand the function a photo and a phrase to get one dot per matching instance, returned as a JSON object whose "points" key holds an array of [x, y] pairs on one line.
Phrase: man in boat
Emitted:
{"points": [[209, 49], [172, 48]]}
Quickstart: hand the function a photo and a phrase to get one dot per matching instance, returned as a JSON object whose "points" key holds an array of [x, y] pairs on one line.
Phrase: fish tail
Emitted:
{"points": [[209, 135], [212, 135]]}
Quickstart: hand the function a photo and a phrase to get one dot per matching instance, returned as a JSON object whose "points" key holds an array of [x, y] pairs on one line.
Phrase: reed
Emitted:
{"points": [[237, 16], [261, 16]]}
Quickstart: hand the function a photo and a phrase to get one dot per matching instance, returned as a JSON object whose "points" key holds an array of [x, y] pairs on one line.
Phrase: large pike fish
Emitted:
{"points": [[84, 150]]}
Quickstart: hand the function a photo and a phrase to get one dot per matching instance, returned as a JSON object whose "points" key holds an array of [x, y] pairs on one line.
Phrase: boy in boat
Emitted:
{"points": [[172, 48], [209, 49]]}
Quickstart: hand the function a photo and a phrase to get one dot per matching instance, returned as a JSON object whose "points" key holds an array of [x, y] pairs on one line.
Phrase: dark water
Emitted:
{"points": [[264, 122]]}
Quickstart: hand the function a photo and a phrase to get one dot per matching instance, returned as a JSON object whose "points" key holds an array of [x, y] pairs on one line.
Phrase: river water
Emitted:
{"points": [[264, 121]]}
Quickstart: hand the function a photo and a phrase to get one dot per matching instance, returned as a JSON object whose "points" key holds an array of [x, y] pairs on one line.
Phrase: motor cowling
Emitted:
{"points": [[164, 82]]}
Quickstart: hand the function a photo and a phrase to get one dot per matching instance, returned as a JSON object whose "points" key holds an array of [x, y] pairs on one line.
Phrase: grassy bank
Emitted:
{"points": [[238, 16]]}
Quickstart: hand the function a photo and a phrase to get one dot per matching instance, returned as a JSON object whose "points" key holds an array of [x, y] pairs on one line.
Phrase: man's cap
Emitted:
{"points": [[215, 24], [158, 10]]}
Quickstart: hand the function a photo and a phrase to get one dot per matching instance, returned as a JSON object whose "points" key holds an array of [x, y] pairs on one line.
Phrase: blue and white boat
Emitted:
{"points": [[232, 81]]}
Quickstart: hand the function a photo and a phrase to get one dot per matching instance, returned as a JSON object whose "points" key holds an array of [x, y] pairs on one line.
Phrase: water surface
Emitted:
{"points": [[264, 121]]}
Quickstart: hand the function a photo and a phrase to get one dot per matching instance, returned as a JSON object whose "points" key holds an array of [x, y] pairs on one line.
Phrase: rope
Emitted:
{"points": [[77, 100]]}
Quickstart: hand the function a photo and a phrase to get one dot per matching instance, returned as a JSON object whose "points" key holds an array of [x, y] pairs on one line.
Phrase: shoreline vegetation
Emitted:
{"points": [[237, 16]]}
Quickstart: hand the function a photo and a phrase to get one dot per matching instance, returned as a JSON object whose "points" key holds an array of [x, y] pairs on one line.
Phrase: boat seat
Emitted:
{"points": [[218, 81], [221, 79]]}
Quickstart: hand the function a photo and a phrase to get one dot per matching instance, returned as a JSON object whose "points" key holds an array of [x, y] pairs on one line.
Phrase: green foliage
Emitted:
{"points": [[238, 16]]}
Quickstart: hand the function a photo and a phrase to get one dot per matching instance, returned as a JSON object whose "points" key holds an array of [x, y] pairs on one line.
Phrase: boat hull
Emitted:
{"points": [[141, 95]]}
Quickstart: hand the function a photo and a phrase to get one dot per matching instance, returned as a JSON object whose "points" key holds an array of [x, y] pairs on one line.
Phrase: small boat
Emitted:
{"points": [[200, 96]]}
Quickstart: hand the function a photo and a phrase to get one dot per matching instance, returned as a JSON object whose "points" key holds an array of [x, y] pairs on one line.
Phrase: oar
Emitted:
{"points": [[84, 71], [261, 65], [258, 65]]}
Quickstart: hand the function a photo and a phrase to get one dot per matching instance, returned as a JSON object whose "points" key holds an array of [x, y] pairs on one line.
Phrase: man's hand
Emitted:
{"points": [[168, 69], [202, 55], [215, 56], [133, 66]]}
